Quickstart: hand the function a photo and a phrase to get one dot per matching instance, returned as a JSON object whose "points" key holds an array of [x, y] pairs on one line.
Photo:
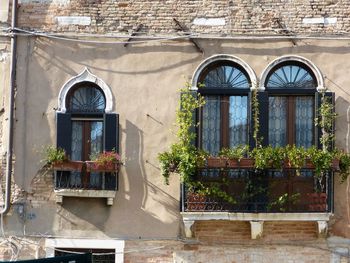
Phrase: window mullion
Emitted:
{"points": [[291, 120], [224, 121]]}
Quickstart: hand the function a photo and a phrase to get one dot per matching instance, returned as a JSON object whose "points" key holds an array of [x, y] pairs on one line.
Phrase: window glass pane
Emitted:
{"points": [[211, 125], [226, 77], [292, 77], [238, 120], [77, 140], [87, 99], [277, 121], [304, 116], [96, 145]]}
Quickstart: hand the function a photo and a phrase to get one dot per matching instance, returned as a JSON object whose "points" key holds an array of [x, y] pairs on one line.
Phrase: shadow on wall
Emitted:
{"points": [[341, 226], [141, 209], [149, 209]]}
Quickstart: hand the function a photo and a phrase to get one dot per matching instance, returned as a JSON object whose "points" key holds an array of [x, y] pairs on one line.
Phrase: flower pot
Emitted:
{"points": [[92, 166], [242, 163], [335, 165], [68, 166], [309, 164], [196, 201], [317, 202], [216, 162]]}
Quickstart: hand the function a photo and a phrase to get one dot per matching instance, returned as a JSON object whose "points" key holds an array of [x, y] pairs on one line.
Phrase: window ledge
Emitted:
{"points": [[109, 194], [256, 220]]}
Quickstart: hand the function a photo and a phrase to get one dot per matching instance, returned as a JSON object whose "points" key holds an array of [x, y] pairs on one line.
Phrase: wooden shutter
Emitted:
{"points": [[64, 132], [111, 132]]}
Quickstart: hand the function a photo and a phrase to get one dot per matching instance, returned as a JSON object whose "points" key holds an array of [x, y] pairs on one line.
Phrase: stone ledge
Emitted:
{"points": [[109, 194], [256, 220]]}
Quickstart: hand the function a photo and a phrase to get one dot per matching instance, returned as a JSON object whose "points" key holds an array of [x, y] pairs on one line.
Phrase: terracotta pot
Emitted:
{"points": [[335, 165], [216, 162], [92, 166], [309, 164], [68, 166], [317, 202], [196, 201]]}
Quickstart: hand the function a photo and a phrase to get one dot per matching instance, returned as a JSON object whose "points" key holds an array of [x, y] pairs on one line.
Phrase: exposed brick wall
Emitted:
{"points": [[221, 230], [289, 231], [150, 251], [217, 231], [240, 16]]}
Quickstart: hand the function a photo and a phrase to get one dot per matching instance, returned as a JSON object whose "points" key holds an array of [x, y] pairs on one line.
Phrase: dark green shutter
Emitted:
{"points": [[111, 132], [64, 132], [330, 96], [263, 100]]}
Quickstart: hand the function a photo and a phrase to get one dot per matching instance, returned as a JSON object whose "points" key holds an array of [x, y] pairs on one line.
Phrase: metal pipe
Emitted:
{"points": [[13, 62]]}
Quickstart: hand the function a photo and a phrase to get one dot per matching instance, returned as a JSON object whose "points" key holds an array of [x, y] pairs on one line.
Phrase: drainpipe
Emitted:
{"points": [[6, 207]]}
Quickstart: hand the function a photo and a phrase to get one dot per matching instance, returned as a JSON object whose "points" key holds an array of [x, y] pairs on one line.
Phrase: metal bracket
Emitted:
{"points": [[139, 27], [185, 29]]}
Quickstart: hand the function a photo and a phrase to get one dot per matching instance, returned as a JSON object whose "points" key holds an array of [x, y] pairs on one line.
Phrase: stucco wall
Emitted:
{"points": [[144, 80]]}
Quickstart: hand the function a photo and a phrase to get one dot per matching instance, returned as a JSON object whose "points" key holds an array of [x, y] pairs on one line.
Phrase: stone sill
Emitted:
{"points": [[109, 194], [256, 220]]}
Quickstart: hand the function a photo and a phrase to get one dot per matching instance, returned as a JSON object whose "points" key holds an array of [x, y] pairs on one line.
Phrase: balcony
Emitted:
{"points": [[258, 196], [85, 184]]}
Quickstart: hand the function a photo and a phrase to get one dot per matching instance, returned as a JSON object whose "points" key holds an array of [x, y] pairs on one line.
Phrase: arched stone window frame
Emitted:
{"points": [[235, 97], [223, 57], [84, 76], [288, 58], [265, 94]]}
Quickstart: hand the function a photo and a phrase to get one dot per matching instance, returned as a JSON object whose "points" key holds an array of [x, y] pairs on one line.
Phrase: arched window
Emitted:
{"points": [[291, 88], [85, 130], [86, 97], [224, 117]]}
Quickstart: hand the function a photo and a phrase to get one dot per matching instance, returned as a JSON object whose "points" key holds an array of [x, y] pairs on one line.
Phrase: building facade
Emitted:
{"points": [[95, 75]]}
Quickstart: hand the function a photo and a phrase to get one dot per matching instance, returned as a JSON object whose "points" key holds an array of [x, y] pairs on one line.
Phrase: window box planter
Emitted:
{"points": [[242, 163], [216, 162], [309, 165], [68, 166], [92, 166]]}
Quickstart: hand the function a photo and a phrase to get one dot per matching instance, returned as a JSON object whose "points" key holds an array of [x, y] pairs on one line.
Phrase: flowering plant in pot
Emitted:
{"points": [[106, 161], [56, 158]]}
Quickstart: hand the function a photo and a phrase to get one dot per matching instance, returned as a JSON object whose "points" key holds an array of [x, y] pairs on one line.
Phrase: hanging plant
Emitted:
{"points": [[183, 157]]}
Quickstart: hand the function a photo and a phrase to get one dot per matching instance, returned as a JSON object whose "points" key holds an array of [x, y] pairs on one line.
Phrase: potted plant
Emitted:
{"points": [[268, 157], [237, 157], [56, 158], [107, 161]]}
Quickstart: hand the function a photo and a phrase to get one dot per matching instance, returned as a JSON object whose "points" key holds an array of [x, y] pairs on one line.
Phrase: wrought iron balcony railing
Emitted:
{"points": [[85, 180], [262, 191]]}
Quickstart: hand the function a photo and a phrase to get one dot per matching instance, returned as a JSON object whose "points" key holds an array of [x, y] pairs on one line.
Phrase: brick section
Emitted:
{"points": [[289, 231], [221, 231], [42, 188], [241, 16], [150, 251]]}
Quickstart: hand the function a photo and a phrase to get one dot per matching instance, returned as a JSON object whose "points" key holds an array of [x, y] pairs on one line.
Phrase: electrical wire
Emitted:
{"points": [[101, 42], [151, 38]]}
